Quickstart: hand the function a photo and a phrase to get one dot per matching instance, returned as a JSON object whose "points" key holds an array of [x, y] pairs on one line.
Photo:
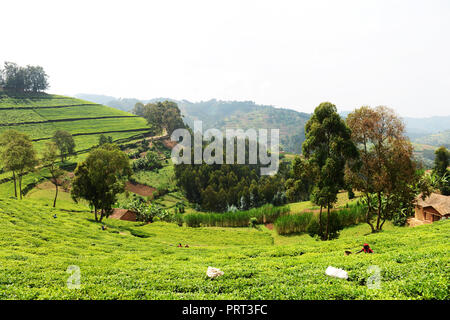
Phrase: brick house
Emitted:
{"points": [[433, 208]]}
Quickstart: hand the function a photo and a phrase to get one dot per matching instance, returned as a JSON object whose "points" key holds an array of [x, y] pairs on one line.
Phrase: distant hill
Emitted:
{"points": [[421, 127], [429, 132], [435, 139], [234, 114]]}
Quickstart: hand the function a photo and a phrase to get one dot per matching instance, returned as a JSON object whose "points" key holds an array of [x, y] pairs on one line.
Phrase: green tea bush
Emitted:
{"points": [[265, 214], [309, 222]]}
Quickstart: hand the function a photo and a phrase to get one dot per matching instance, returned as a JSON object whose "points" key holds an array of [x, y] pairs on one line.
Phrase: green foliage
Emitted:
{"points": [[253, 222], [149, 163], [265, 214], [17, 155], [19, 79], [129, 260], [101, 177], [309, 222], [65, 143], [328, 147], [49, 159], [441, 164], [162, 116], [104, 139]]}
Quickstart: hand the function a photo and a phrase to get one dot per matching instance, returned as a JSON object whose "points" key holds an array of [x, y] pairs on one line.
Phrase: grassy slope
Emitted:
{"points": [[36, 249], [36, 112]]}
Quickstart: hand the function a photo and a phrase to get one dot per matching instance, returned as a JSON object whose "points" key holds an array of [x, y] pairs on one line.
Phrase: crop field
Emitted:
{"points": [[130, 260], [20, 113], [51, 107], [42, 100], [42, 108]]}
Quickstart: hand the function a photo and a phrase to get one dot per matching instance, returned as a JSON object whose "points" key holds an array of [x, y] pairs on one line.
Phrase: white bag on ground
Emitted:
{"points": [[337, 273], [213, 272]]}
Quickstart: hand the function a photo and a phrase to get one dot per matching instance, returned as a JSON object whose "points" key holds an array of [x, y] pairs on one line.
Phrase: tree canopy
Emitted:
{"points": [[162, 116], [65, 143], [101, 177], [18, 156], [49, 160], [21, 79], [387, 173], [328, 147]]}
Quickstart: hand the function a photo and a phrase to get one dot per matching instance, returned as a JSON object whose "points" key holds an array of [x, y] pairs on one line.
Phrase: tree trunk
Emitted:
{"points": [[369, 210], [328, 221], [56, 194], [95, 211], [379, 211], [381, 226], [15, 184], [320, 222], [101, 215], [20, 186]]}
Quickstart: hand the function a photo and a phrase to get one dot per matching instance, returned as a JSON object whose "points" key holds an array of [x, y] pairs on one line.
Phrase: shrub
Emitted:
{"points": [[309, 222], [253, 222], [149, 162], [265, 214]]}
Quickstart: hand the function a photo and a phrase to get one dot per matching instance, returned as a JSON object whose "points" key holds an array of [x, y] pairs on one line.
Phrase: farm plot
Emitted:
{"points": [[10, 102], [88, 111], [129, 260], [18, 116]]}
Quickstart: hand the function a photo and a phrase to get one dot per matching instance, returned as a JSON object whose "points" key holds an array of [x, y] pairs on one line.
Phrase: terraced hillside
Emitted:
{"points": [[41, 115]]}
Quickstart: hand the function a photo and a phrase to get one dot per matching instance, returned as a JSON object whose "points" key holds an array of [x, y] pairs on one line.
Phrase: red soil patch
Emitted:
{"points": [[169, 143], [269, 226], [140, 189]]}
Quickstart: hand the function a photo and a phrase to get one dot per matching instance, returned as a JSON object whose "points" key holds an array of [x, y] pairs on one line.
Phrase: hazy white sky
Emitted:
{"points": [[292, 54]]}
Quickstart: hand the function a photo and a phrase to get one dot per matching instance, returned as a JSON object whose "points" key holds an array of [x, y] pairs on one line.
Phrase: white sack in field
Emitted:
{"points": [[337, 273], [213, 272]]}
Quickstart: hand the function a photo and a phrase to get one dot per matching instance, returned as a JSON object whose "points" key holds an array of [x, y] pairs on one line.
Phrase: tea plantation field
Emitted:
{"points": [[41, 115], [129, 260]]}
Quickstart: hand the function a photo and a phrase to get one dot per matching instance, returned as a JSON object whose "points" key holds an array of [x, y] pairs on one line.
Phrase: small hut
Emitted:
{"points": [[432, 208], [123, 214]]}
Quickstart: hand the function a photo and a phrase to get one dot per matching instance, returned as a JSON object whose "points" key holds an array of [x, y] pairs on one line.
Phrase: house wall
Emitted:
{"points": [[430, 214], [419, 213]]}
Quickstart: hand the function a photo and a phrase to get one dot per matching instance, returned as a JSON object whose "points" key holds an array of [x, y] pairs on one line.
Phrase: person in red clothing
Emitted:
{"points": [[366, 249]]}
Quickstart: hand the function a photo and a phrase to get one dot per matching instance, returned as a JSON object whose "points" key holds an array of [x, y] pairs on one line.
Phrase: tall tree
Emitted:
{"points": [[138, 109], [386, 173], [328, 146], [101, 177], [17, 78], [104, 139], [65, 143], [162, 116], [441, 164], [18, 156], [49, 160]]}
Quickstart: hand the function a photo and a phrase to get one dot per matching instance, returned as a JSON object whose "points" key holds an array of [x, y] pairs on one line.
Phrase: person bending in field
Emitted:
{"points": [[366, 249]]}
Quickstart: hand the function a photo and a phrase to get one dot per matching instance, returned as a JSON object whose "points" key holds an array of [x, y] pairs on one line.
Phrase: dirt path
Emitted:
{"points": [[140, 189]]}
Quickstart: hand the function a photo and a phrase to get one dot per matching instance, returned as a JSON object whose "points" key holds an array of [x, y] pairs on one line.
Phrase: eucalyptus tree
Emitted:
{"points": [[328, 147]]}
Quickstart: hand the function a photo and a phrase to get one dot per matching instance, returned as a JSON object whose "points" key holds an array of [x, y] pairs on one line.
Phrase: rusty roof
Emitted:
{"points": [[439, 202]]}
